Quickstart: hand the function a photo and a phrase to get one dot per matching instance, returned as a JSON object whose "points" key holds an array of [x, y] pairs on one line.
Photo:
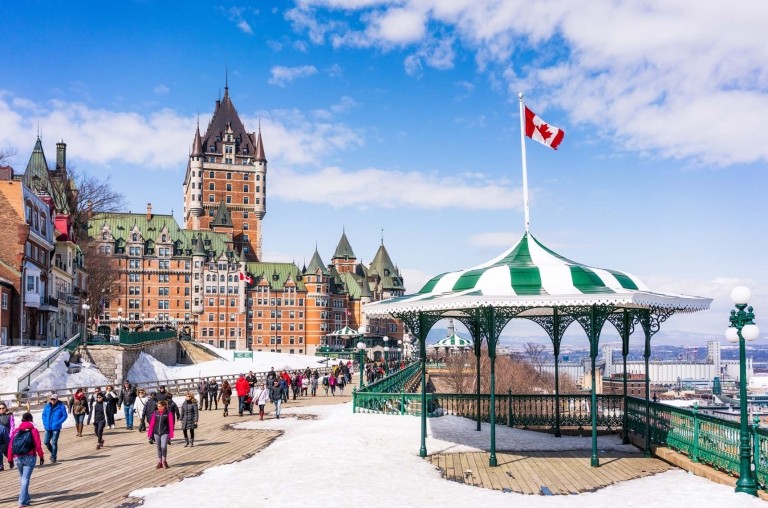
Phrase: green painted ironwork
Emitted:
{"points": [[394, 382], [133, 338]]}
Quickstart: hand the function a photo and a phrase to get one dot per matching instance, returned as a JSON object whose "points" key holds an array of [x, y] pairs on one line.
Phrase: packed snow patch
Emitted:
{"points": [[57, 377], [15, 361]]}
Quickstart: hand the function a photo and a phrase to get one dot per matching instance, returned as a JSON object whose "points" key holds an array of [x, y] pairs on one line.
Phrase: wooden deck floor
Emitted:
{"points": [[87, 477], [565, 472]]}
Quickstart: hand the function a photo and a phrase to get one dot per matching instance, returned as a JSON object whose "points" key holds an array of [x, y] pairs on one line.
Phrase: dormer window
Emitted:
{"points": [[135, 237], [164, 238]]}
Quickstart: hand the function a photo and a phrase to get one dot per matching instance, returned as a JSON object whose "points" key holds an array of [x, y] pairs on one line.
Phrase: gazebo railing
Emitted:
{"points": [[394, 382], [525, 411]]}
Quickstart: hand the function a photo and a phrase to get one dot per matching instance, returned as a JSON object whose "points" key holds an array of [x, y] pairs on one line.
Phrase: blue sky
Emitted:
{"points": [[403, 115]]}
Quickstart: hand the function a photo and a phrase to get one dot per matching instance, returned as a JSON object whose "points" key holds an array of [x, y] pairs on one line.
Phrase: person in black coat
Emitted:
{"points": [[213, 394], [100, 414], [190, 413], [149, 408]]}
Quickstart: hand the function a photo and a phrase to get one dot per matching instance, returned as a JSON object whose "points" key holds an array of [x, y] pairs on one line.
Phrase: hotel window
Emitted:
{"points": [[229, 176], [229, 187], [211, 175], [245, 188], [245, 226], [211, 198], [245, 176], [245, 200], [229, 199]]}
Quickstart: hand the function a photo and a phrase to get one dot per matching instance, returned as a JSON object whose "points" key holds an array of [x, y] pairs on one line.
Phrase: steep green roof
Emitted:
{"points": [[276, 274], [223, 218], [121, 224], [316, 263], [36, 175], [357, 286], [383, 267], [343, 249]]}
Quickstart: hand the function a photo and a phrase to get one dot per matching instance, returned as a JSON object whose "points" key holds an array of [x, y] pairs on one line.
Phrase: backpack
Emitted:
{"points": [[78, 407], [22, 442], [325, 381]]}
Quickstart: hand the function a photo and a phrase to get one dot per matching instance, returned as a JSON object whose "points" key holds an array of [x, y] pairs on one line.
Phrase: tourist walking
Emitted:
{"points": [[54, 415], [326, 383], [261, 397], [24, 445], [341, 382], [251, 378], [271, 375], [242, 387], [226, 396], [7, 426], [213, 393], [332, 383], [190, 413], [78, 408], [112, 399], [304, 385], [276, 396], [141, 403], [160, 431], [202, 389], [313, 383], [128, 400], [99, 411], [149, 408]]}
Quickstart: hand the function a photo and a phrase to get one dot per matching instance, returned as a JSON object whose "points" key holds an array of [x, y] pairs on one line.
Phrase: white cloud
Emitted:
{"points": [[161, 89], [281, 75], [244, 27], [690, 90], [494, 239], [339, 188]]}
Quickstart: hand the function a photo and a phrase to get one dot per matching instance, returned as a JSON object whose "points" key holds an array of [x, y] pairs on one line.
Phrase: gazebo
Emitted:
{"points": [[452, 343], [344, 335], [530, 281]]}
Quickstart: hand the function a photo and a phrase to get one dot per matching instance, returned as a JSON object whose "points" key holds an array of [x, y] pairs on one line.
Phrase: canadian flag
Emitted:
{"points": [[246, 278], [539, 130]]}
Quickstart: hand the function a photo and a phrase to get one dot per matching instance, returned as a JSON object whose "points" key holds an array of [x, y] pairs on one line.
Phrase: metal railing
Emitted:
{"points": [[703, 438], [176, 386], [134, 338], [26, 379], [394, 381]]}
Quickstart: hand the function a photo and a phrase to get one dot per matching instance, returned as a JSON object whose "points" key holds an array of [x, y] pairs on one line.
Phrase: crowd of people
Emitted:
{"points": [[156, 412]]}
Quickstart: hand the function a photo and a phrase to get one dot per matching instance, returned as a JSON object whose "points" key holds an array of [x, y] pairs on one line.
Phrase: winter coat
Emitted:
{"points": [[275, 393], [141, 403], [242, 387], [54, 416], [189, 414], [155, 420], [202, 388], [213, 388], [98, 413], [112, 399], [78, 405], [149, 408], [226, 393], [128, 395], [7, 422], [37, 449], [260, 396]]}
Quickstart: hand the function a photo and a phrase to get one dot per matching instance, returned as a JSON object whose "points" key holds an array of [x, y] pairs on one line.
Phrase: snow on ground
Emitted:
{"points": [[147, 368], [15, 361], [351, 460], [57, 377]]}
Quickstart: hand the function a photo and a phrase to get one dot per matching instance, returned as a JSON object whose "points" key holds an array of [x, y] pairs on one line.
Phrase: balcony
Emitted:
{"points": [[49, 303], [32, 299]]}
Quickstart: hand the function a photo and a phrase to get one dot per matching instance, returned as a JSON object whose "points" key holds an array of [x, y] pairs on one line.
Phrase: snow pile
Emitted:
{"points": [[147, 368], [15, 361], [56, 376], [372, 461]]}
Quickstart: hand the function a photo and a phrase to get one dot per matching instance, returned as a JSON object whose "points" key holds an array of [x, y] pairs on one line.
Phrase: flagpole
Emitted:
{"points": [[525, 167]]}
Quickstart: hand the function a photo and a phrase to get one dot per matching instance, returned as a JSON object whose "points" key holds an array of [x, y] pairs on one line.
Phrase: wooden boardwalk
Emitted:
{"points": [[87, 477], [563, 472]]}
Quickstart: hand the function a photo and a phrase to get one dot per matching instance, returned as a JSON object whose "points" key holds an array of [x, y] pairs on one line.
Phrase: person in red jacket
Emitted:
{"points": [[25, 462], [242, 387]]}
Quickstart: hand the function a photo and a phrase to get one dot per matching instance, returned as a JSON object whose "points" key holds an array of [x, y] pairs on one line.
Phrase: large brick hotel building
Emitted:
{"points": [[209, 276]]}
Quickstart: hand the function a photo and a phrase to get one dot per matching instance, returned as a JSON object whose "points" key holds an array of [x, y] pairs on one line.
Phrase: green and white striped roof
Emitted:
{"points": [[345, 332], [453, 341], [531, 275]]}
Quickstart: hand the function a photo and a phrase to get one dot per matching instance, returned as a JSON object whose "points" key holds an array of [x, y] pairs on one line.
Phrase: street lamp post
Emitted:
{"points": [[385, 339], [361, 350], [85, 322], [743, 328]]}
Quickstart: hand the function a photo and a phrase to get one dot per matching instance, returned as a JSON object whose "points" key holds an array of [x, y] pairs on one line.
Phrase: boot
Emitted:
{"points": [[159, 465], [226, 413], [261, 414], [165, 464], [192, 443], [186, 443]]}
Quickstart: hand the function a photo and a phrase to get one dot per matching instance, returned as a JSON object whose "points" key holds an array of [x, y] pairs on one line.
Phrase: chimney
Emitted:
{"points": [[61, 155], [149, 211]]}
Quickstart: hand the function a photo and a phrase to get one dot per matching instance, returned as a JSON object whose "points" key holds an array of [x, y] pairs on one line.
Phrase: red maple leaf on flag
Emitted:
{"points": [[544, 131]]}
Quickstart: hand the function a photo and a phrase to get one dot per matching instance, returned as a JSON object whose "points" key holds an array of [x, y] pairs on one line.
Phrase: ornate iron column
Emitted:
{"points": [[650, 320], [420, 323], [592, 320], [473, 323], [625, 325]]}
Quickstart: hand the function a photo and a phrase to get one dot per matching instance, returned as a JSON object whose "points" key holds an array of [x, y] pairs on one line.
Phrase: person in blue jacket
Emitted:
{"points": [[54, 415]]}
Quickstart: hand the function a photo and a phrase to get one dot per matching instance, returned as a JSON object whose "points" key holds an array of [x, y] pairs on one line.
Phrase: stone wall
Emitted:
{"points": [[115, 361]]}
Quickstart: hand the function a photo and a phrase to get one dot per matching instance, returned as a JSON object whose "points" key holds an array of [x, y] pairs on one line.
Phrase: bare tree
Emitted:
{"points": [[6, 154], [535, 354], [82, 196], [457, 373]]}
